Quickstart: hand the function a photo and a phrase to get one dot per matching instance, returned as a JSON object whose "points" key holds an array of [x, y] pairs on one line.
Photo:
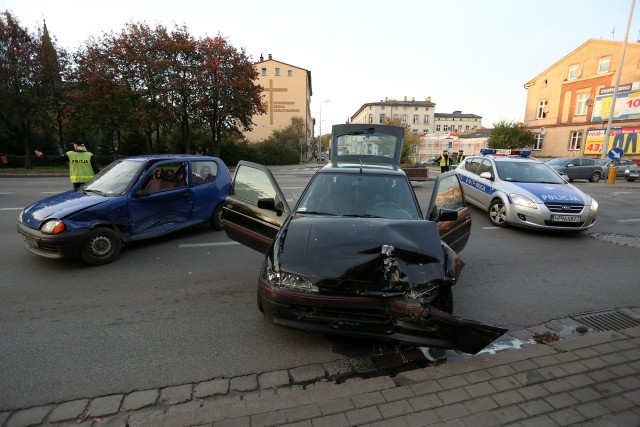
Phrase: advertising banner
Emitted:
{"points": [[623, 138], [627, 104]]}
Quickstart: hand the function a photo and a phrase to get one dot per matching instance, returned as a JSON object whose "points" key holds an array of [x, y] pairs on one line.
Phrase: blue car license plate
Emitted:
{"points": [[565, 218]]}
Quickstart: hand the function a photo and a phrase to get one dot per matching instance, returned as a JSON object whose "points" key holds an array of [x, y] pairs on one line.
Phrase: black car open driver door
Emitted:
{"points": [[448, 208], [255, 209]]}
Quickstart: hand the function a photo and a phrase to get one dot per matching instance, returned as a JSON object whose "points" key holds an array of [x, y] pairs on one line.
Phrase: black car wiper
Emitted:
{"points": [[363, 215], [98, 192], [315, 213]]}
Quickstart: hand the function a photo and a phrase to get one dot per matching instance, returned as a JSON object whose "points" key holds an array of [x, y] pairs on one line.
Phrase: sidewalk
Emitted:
{"points": [[591, 379]]}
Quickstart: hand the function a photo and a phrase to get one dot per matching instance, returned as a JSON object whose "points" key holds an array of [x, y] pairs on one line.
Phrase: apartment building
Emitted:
{"points": [[418, 114]]}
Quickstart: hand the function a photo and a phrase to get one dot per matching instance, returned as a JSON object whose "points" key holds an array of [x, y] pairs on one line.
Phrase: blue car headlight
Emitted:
{"points": [[289, 280], [53, 226], [20, 216], [517, 199]]}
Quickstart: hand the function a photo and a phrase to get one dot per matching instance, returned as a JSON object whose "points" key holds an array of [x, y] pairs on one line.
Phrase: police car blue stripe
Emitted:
{"points": [[552, 193], [477, 185]]}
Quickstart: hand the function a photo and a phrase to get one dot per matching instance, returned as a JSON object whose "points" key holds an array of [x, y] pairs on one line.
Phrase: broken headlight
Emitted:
{"points": [[427, 291], [290, 280]]}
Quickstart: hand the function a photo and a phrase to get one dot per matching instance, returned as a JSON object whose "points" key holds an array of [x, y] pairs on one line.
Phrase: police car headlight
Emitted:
{"points": [[522, 201], [54, 226], [594, 205], [291, 281]]}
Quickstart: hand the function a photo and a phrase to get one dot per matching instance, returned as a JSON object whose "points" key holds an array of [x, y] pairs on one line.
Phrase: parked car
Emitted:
{"points": [[356, 256], [131, 199], [632, 175], [516, 190], [622, 167], [578, 168]]}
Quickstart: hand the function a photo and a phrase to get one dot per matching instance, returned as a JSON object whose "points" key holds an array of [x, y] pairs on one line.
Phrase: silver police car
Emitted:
{"points": [[517, 190]]}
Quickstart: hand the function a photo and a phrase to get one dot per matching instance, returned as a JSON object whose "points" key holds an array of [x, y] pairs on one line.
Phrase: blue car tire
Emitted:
{"points": [[101, 247]]}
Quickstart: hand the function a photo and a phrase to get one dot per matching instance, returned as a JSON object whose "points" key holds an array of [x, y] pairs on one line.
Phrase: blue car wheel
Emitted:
{"points": [[101, 247]]}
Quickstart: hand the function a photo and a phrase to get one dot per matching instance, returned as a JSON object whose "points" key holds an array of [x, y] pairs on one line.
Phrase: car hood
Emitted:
{"points": [[360, 253], [59, 206], [548, 193]]}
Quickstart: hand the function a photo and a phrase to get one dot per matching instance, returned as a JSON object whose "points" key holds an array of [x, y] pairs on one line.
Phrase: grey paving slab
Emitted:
{"points": [[338, 368], [4, 416], [274, 379], [335, 420], [364, 415], [140, 399], [176, 394], [303, 413], [480, 404], [453, 396], [395, 409], [592, 410], [68, 410], [307, 373], [368, 399], [480, 389], [105, 405], [275, 418], [424, 402], [398, 393], [449, 412], [217, 387], [535, 407], [423, 418], [244, 383], [29, 417], [335, 406]]}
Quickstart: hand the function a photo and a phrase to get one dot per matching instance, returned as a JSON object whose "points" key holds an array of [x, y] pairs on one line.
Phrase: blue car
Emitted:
{"points": [[131, 199]]}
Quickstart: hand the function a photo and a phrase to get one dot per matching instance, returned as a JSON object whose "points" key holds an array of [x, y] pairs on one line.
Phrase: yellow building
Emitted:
{"points": [[286, 94], [568, 104]]}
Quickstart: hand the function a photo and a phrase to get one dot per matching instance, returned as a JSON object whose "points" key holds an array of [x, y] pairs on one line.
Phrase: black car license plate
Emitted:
{"points": [[565, 218]]}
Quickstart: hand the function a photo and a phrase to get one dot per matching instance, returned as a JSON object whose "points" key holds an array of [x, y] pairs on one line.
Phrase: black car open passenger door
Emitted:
{"points": [[255, 209], [448, 208]]}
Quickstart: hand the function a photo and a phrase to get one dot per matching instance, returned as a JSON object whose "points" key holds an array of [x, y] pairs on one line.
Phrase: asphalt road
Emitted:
{"points": [[182, 308]]}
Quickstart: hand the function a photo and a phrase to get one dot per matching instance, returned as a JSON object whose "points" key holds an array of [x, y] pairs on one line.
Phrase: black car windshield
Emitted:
{"points": [[527, 172], [115, 178], [359, 195]]}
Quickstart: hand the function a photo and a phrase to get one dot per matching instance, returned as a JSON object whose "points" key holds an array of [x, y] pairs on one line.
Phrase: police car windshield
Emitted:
{"points": [[527, 172]]}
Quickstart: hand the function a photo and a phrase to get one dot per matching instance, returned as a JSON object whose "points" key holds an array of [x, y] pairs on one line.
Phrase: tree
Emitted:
{"points": [[226, 91], [411, 140], [507, 135]]}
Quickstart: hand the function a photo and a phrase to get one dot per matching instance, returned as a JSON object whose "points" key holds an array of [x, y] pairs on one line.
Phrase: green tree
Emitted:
{"points": [[507, 135], [410, 143]]}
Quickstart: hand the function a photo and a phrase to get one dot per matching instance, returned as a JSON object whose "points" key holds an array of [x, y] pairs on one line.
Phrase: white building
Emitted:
{"points": [[419, 115], [457, 122]]}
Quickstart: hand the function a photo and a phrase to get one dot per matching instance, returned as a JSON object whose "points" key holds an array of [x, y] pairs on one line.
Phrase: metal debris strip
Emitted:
{"points": [[610, 320], [617, 239]]}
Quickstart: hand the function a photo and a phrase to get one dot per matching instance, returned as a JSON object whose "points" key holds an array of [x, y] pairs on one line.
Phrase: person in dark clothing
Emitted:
{"points": [[460, 157], [82, 163]]}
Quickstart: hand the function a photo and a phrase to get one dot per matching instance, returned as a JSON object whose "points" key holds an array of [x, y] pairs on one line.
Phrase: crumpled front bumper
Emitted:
{"points": [[63, 245]]}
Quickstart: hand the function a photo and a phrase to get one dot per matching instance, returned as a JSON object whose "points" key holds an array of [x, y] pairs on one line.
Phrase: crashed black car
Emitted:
{"points": [[357, 256]]}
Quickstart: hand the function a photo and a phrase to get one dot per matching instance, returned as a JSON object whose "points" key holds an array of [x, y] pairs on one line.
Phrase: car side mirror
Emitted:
{"points": [[570, 165], [141, 193], [486, 175], [271, 204], [448, 214]]}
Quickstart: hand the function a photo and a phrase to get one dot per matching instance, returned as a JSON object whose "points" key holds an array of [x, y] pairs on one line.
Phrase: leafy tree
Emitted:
{"points": [[225, 89], [411, 139], [507, 135]]}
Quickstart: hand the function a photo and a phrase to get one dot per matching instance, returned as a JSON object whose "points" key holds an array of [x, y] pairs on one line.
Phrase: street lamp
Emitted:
{"points": [[320, 127]]}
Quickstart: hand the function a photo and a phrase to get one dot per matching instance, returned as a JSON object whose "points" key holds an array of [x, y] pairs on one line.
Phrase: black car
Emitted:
{"points": [[356, 256]]}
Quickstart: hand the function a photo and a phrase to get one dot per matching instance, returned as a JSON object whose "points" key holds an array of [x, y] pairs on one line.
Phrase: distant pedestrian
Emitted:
{"points": [[460, 157], [444, 161], [82, 163]]}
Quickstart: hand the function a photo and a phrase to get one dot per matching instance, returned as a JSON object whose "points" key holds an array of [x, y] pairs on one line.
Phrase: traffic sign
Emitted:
{"points": [[616, 153]]}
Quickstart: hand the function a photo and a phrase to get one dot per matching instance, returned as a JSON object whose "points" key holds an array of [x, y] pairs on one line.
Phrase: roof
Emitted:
{"points": [[270, 59], [457, 115], [478, 133], [395, 103]]}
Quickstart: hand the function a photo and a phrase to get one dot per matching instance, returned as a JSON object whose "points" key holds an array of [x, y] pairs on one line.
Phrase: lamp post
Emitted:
{"points": [[320, 128]]}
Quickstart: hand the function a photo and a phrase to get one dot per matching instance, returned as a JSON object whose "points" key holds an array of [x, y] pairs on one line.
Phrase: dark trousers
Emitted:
{"points": [[444, 169]]}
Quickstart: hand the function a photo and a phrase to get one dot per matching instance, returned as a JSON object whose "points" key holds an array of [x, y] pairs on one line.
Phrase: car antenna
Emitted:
{"points": [[360, 164]]}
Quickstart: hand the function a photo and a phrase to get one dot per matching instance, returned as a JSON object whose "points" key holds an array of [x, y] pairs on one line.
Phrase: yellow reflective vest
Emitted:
{"points": [[445, 160], [80, 170]]}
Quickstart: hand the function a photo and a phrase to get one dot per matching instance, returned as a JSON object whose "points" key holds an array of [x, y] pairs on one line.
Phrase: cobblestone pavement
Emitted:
{"points": [[584, 375]]}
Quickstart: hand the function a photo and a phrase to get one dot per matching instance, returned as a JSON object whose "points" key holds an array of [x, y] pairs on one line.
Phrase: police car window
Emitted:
{"points": [[472, 165], [485, 166]]}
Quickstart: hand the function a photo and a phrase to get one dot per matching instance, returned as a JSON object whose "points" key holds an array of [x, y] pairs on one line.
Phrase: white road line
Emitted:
{"points": [[629, 220], [291, 188], [6, 193], [491, 228], [11, 209], [50, 192], [615, 193], [198, 245]]}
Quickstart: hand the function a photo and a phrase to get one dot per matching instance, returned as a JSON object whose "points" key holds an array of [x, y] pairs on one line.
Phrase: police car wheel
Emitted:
{"points": [[101, 247], [497, 213], [216, 218], [595, 177]]}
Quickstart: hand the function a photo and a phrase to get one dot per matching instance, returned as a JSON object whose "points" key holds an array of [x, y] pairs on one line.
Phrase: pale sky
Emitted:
{"points": [[468, 55]]}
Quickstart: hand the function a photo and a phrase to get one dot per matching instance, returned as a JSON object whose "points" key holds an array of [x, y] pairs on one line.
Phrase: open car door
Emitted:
{"points": [[255, 209], [448, 208]]}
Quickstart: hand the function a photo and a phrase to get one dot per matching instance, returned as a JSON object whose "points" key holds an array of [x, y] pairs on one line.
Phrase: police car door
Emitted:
{"points": [[486, 188]]}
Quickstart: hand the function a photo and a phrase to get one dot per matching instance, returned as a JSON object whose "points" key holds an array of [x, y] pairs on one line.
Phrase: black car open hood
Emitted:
{"points": [[360, 253]]}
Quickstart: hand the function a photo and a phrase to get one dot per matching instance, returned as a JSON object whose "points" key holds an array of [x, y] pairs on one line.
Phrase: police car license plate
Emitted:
{"points": [[565, 218]]}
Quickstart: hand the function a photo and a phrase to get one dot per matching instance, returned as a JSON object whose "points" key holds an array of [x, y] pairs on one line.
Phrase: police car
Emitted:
{"points": [[517, 190]]}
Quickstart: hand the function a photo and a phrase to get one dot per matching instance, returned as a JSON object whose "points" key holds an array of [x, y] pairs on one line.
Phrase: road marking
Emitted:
{"points": [[615, 193], [198, 245], [291, 188], [10, 209], [491, 228], [6, 193], [629, 220]]}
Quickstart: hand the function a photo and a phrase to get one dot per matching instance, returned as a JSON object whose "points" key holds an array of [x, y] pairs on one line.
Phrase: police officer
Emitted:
{"points": [[82, 163], [444, 161], [460, 157]]}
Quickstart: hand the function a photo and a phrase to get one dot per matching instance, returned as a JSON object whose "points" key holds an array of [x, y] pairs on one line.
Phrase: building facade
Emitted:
{"points": [[569, 103], [457, 122], [286, 93], [419, 115]]}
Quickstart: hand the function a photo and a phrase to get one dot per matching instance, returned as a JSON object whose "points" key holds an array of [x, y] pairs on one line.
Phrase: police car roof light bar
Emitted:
{"points": [[485, 151], [521, 153]]}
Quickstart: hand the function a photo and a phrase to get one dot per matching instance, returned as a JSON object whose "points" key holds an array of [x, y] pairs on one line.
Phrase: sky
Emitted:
{"points": [[469, 55]]}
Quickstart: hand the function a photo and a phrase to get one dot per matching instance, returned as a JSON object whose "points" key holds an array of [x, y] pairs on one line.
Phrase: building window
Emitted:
{"points": [[581, 104], [542, 109], [576, 140], [290, 73], [445, 128], [416, 119], [405, 118], [426, 119], [425, 130], [382, 107], [603, 64], [537, 144], [573, 72], [414, 130], [277, 71], [437, 128], [264, 71], [382, 116], [370, 118], [466, 127]]}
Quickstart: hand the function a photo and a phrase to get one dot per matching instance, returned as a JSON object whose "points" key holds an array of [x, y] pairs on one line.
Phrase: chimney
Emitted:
{"points": [[428, 99], [405, 97], [261, 58], [386, 99], [269, 57], [413, 98]]}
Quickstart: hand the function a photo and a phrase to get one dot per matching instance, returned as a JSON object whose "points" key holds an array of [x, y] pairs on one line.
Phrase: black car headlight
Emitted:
{"points": [[289, 280], [53, 226], [426, 291]]}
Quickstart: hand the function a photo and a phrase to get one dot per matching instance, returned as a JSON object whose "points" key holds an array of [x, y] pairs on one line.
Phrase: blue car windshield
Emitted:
{"points": [[527, 172], [114, 179]]}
